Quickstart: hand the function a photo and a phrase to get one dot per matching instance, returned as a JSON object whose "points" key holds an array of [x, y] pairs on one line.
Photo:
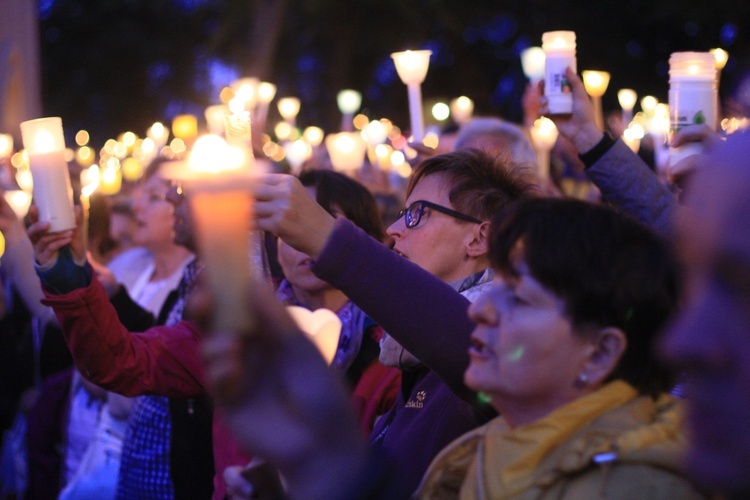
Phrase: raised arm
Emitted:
{"points": [[424, 314], [623, 178], [162, 360]]}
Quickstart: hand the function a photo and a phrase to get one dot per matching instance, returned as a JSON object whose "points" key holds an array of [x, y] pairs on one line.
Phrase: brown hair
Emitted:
{"points": [[480, 185]]}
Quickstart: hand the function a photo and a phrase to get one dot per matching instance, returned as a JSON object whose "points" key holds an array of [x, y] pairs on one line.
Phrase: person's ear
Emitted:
{"points": [[478, 244], [609, 344]]}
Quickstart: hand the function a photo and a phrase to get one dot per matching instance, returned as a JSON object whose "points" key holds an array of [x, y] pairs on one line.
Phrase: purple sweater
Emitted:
{"points": [[427, 317], [424, 314]]}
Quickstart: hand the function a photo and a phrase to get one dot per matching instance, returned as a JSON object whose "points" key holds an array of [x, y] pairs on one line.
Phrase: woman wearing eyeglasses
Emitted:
{"points": [[443, 229]]}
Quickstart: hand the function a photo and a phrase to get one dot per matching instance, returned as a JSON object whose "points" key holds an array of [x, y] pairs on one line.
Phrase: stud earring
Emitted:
{"points": [[583, 379]]}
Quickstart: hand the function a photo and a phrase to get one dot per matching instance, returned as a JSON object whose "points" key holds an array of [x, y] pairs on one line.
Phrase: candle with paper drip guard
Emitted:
{"points": [[19, 201], [346, 150], [217, 181], [412, 66], [596, 83], [288, 109], [462, 108], [627, 99], [266, 93], [348, 102], [544, 134], [53, 193], [237, 125]]}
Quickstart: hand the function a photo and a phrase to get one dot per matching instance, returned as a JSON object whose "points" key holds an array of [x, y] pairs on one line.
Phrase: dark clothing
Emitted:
{"points": [[426, 419]]}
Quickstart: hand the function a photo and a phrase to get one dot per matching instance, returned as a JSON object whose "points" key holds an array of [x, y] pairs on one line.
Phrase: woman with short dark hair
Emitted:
{"points": [[563, 351]]}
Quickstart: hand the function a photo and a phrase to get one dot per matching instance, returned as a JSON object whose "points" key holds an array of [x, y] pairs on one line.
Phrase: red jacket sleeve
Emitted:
{"points": [[163, 360]]}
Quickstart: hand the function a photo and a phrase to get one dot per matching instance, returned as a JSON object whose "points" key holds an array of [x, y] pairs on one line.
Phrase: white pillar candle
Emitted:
{"points": [[53, 193]]}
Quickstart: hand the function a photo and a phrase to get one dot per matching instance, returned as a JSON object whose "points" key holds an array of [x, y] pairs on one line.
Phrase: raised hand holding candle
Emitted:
{"points": [[53, 193], [412, 66]]}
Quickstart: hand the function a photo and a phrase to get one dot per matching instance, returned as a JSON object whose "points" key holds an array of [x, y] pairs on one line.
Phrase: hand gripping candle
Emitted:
{"points": [[53, 194], [692, 96], [560, 50]]}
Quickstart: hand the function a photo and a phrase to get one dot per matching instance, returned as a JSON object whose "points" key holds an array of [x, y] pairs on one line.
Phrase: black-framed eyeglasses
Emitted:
{"points": [[414, 212]]}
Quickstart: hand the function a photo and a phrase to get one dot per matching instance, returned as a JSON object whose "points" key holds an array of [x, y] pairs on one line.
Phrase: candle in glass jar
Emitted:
{"points": [[560, 53], [53, 193]]}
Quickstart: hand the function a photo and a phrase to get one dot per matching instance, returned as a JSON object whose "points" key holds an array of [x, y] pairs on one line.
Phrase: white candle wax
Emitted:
{"points": [[53, 193]]}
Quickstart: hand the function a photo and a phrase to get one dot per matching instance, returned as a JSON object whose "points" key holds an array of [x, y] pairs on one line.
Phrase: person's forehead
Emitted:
{"points": [[432, 187]]}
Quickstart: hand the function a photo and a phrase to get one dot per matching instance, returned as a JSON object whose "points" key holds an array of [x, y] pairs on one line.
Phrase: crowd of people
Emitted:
{"points": [[498, 339]]}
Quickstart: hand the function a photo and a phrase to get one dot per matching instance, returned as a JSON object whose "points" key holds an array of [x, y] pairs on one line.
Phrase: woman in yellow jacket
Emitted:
{"points": [[563, 352]]}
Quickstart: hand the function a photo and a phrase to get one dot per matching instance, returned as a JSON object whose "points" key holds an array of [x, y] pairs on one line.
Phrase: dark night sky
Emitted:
{"points": [[113, 65]]}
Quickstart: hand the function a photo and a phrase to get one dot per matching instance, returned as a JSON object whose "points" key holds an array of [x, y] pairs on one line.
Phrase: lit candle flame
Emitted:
{"points": [[44, 142]]}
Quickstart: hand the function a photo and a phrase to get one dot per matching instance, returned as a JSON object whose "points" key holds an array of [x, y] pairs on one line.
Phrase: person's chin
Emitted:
{"points": [[473, 378]]}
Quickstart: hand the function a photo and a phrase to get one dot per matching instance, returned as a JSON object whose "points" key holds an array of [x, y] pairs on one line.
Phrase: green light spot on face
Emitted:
{"points": [[484, 398], [516, 354]]}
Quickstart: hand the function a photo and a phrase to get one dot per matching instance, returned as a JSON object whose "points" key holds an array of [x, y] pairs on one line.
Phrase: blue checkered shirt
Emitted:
{"points": [[144, 466]]}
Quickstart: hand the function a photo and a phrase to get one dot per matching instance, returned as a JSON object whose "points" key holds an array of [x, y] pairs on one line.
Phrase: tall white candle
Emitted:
{"points": [[217, 181], [412, 66], [53, 193]]}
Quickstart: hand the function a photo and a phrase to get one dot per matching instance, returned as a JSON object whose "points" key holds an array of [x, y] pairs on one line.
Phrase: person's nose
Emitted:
{"points": [[483, 310], [397, 229], [136, 203]]}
